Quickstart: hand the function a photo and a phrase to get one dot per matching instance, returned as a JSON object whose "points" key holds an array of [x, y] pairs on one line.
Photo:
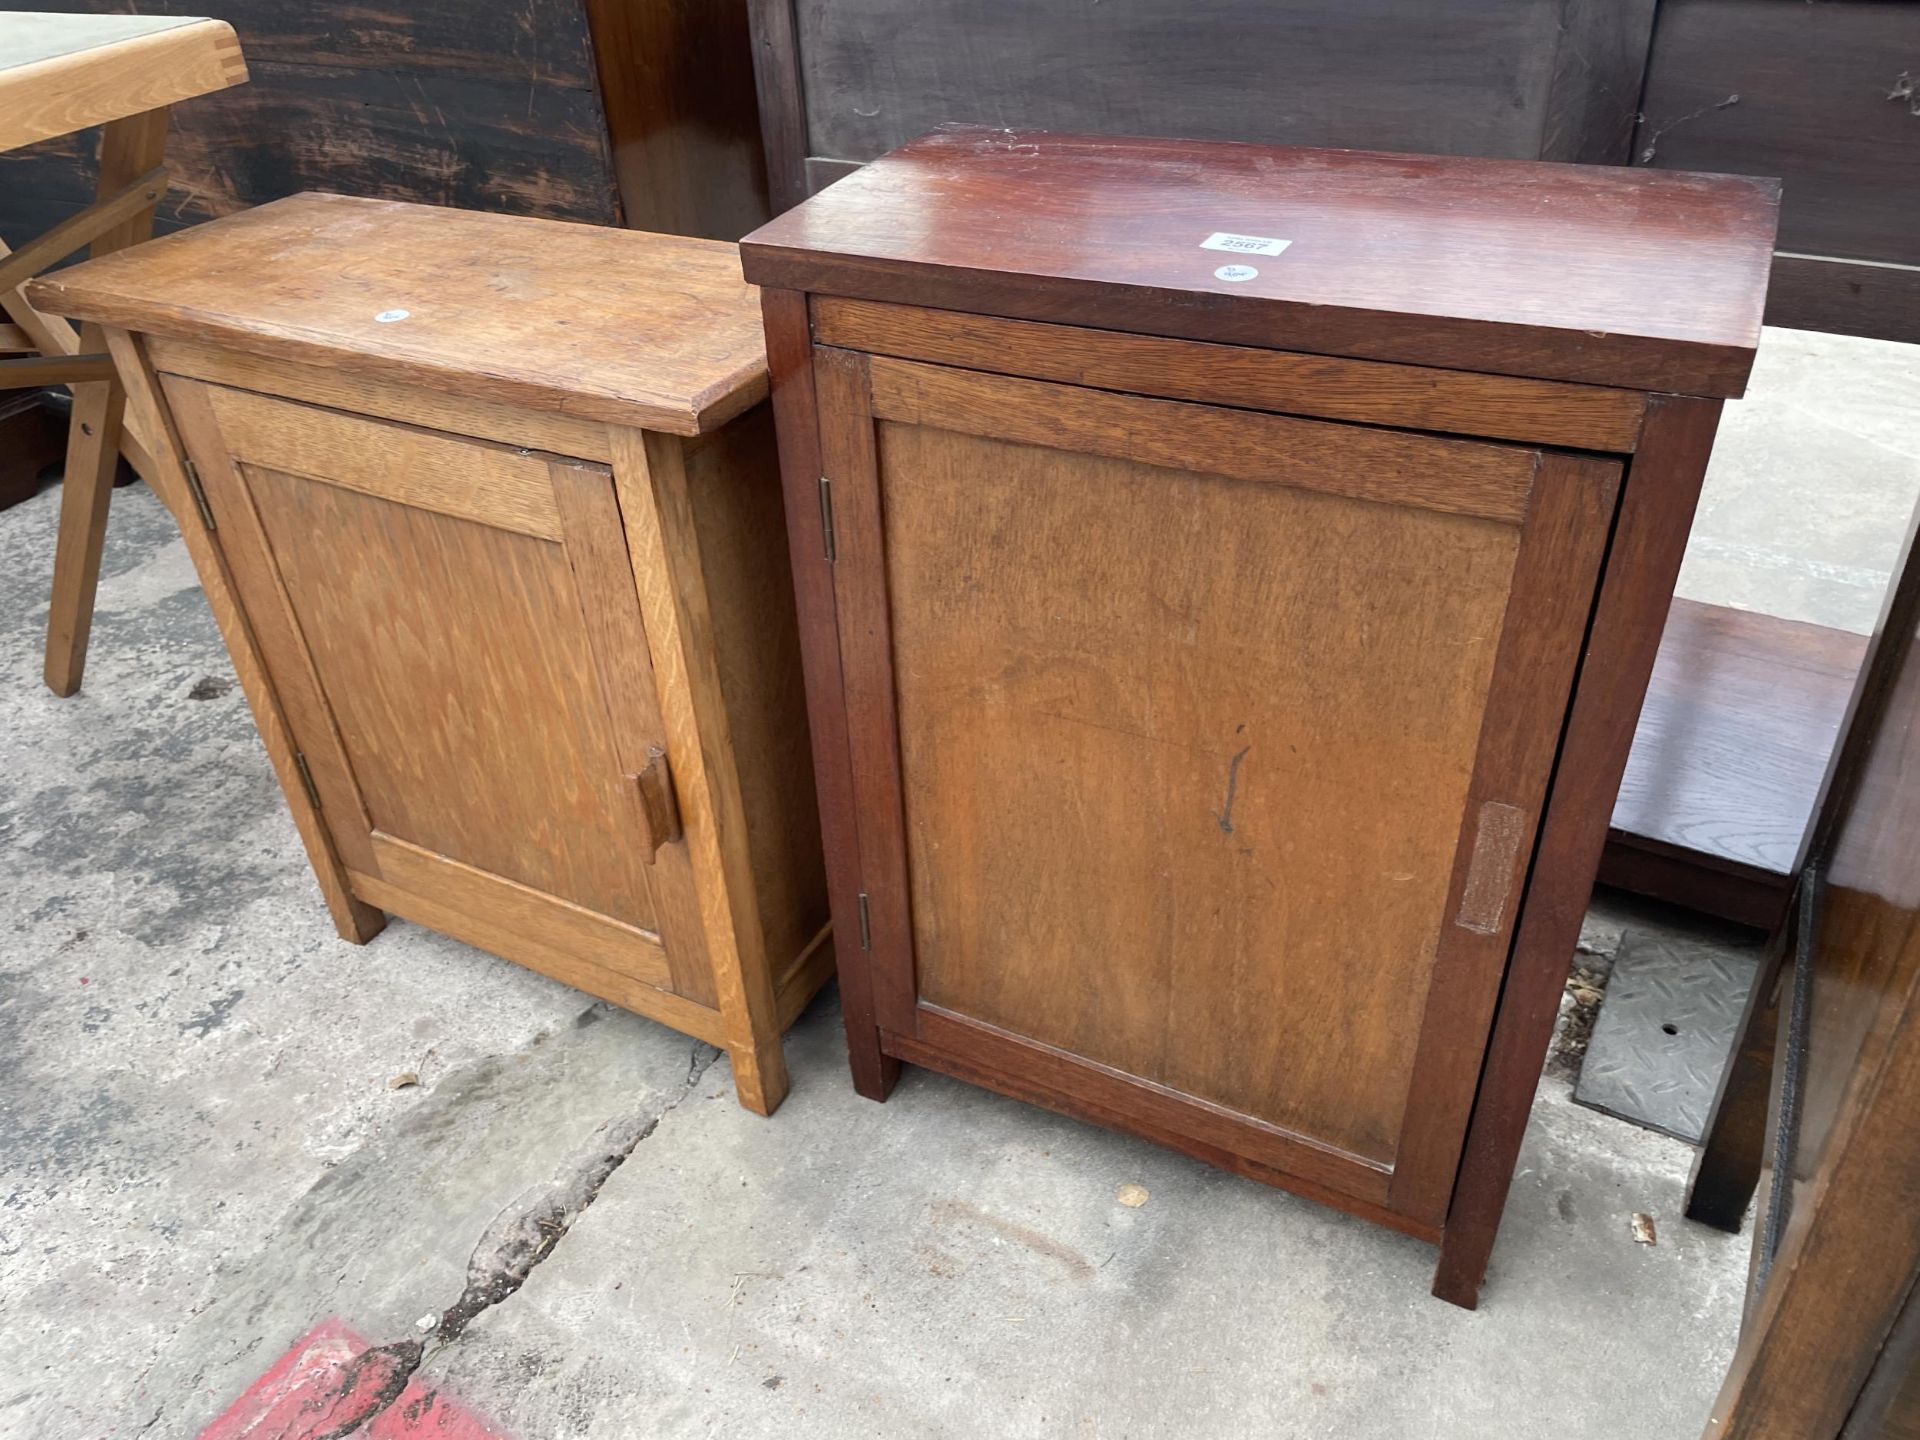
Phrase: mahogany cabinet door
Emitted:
{"points": [[453, 631], [1198, 753]]}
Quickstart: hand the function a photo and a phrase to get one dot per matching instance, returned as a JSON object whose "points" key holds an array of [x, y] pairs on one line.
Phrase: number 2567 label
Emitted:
{"points": [[1244, 244]]}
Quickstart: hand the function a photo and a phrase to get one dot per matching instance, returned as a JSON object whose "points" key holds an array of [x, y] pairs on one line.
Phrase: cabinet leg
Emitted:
{"points": [[875, 1072], [1463, 1265], [760, 1076], [1727, 1169], [355, 921]]}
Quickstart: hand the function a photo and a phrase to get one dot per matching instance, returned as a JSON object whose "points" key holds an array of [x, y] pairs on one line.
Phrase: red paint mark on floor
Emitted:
{"points": [[332, 1380]]}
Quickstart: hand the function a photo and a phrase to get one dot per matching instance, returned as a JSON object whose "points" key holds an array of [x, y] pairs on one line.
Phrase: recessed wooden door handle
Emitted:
{"points": [[658, 809]]}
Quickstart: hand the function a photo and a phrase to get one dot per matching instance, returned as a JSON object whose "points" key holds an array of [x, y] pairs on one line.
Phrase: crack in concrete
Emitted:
{"points": [[523, 1235]]}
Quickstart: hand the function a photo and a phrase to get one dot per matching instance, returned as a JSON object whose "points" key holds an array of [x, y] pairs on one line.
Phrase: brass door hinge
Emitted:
{"points": [[199, 495], [306, 779], [866, 930], [826, 517]]}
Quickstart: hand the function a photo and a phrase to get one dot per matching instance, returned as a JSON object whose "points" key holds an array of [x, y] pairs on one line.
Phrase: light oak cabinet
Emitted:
{"points": [[490, 513], [1229, 578]]}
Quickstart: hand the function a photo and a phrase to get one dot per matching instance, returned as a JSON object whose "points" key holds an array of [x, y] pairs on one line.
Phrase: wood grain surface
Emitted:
{"points": [[676, 80], [1457, 476], [798, 424], [1082, 716], [1831, 1307], [576, 320], [1587, 417], [337, 389], [672, 573], [844, 80], [131, 149], [1658, 497], [1741, 717], [91, 69], [427, 714], [437, 101], [1630, 278], [1804, 92]]}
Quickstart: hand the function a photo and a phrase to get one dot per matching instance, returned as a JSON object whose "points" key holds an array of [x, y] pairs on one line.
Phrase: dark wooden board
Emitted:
{"points": [[852, 79], [1877, 300], [676, 78], [532, 43], [31, 439], [1740, 720], [1614, 276], [1813, 82]]}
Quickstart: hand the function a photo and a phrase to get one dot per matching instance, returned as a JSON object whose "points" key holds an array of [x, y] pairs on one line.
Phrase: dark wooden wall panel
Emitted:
{"points": [[1380, 74], [1813, 81]]}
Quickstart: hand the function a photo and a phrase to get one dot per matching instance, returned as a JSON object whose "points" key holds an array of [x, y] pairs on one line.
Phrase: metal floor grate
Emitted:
{"points": [[1664, 1031]]}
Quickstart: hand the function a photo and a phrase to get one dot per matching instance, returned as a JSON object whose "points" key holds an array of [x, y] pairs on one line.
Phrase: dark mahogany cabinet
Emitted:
{"points": [[1228, 580]]}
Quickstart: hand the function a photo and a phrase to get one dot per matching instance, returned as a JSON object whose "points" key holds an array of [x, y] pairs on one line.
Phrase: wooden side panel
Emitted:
{"points": [[733, 484], [1160, 759], [1851, 1249]]}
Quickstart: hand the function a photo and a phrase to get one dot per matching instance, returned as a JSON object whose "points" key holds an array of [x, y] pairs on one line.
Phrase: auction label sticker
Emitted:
{"points": [[1244, 244], [1235, 272]]}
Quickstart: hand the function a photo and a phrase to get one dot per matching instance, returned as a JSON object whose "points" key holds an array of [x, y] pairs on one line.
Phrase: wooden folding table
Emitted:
{"points": [[60, 74]]}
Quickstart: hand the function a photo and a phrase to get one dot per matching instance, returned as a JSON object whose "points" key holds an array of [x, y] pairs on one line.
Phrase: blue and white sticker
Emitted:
{"points": [[1235, 272], [1244, 244], [387, 317]]}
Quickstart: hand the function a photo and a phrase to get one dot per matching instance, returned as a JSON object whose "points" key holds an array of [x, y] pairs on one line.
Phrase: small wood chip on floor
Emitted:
{"points": [[403, 1080], [1132, 1196], [1643, 1231]]}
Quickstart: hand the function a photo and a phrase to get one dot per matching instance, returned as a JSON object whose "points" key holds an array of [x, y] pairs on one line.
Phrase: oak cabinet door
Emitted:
{"points": [[1198, 752], [453, 630]]}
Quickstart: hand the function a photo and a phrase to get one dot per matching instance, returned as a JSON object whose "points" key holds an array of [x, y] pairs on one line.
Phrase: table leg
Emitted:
{"points": [[128, 149], [1727, 1168]]}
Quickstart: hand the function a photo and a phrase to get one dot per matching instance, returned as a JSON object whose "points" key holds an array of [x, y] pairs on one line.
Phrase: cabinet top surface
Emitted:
{"points": [[1645, 279], [655, 331]]}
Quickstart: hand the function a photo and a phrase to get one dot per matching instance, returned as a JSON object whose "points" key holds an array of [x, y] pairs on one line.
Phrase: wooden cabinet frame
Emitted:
{"points": [[620, 504], [1525, 895]]}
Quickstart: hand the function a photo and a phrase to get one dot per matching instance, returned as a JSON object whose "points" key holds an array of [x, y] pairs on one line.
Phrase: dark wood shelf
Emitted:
{"points": [[1739, 721]]}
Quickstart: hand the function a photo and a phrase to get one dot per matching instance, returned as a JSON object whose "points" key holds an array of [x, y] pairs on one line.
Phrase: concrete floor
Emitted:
{"points": [[202, 1159]]}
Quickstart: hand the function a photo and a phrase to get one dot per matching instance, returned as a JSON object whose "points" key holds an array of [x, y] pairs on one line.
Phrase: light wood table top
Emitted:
{"points": [[62, 73]]}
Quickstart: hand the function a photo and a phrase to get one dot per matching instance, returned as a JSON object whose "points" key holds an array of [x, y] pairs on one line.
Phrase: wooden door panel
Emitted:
{"points": [[1084, 716], [424, 704], [1197, 743], [456, 632]]}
